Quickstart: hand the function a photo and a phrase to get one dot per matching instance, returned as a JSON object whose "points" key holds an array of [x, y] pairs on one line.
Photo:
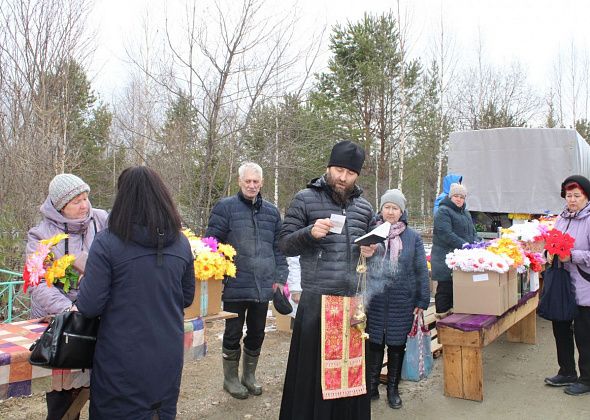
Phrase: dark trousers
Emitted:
{"points": [[254, 314], [443, 299], [377, 348], [565, 332], [58, 402]]}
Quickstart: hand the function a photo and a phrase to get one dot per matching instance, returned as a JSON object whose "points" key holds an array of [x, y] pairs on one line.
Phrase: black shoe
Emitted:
{"points": [[577, 389], [561, 380]]}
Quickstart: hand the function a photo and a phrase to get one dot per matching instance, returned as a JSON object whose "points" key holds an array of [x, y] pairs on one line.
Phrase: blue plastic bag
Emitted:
{"points": [[417, 363]]}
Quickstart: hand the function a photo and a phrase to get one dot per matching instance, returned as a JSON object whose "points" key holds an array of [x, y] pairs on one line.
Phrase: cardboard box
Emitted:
{"points": [[207, 300], [487, 293], [283, 322]]}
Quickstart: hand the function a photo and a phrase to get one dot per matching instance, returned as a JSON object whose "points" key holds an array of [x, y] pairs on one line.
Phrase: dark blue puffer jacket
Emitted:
{"points": [[394, 291], [253, 230], [328, 265], [453, 227]]}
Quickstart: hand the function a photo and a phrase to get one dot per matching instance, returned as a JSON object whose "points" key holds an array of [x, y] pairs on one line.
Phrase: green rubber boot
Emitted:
{"points": [[231, 382]]}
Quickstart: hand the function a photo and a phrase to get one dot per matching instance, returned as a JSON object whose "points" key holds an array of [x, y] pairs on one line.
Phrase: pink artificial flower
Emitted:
{"points": [[211, 242]]}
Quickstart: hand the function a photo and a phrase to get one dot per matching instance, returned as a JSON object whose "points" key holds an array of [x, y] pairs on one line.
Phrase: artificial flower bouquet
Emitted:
{"points": [[213, 260], [511, 250], [42, 265], [530, 233], [498, 255], [559, 243]]}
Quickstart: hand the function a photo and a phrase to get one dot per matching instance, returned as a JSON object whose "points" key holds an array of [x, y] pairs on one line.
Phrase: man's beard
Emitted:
{"points": [[340, 196]]}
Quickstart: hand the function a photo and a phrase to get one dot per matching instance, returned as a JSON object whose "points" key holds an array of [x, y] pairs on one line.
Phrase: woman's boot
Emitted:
{"points": [[231, 382], [394, 370], [374, 366], [248, 371]]}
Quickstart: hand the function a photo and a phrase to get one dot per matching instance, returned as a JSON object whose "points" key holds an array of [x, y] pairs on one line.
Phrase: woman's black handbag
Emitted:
{"points": [[67, 342], [558, 299]]}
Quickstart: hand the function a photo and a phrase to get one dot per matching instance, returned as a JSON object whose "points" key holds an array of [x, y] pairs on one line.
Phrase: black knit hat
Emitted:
{"points": [[347, 154], [582, 181]]}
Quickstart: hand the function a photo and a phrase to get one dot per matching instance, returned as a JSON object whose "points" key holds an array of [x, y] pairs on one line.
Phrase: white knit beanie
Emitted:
{"points": [[394, 196], [64, 187], [457, 189]]}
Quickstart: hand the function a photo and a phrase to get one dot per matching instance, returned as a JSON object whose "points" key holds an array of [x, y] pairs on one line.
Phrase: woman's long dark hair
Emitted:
{"points": [[143, 199]]}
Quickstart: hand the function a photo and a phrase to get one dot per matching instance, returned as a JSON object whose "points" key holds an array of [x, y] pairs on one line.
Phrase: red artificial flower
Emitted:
{"points": [[559, 243]]}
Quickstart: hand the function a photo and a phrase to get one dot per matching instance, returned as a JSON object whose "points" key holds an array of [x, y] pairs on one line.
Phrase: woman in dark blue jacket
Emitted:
{"points": [[398, 290], [453, 227], [139, 277]]}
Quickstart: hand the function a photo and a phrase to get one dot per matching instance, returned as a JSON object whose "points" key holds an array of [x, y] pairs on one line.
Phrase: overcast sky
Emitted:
{"points": [[531, 32]]}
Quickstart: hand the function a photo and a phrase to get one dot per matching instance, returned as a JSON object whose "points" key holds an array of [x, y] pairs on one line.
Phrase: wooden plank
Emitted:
{"points": [[429, 317], [77, 405], [472, 370], [453, 374], [510, 319], [452, 336], [524, 331], [219, 316], [433, 333]]}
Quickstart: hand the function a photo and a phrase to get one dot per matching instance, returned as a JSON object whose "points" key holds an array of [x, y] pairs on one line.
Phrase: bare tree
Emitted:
{"points": [[571, 86], [43, 48], [225, 60]]}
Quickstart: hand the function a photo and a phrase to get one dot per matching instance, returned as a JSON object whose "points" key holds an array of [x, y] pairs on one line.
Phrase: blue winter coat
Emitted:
{"points": [[253, 230], [447, 181], [394, 291], [453, 227], [138, 360]]}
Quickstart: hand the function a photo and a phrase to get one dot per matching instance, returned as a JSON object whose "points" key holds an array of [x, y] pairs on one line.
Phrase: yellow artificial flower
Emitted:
{"points": [[54, 240], [509, 248], [230, 270], [227, 250]]}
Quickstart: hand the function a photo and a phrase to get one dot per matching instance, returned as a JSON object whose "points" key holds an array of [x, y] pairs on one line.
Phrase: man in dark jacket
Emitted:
{"points": [[328, 267], [251, 225]]}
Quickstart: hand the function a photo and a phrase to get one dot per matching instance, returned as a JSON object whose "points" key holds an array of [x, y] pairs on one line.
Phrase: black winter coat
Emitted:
{"points": [[139, 349], [453, 227], [394, 291], [253, 230], [328, 265]]}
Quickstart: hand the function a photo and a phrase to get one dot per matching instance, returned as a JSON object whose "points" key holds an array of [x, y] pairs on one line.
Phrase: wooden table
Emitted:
{"points": [[463, 337]]}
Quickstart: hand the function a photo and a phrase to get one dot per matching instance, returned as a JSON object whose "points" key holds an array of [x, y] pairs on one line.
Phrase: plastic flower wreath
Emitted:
{"points": [[213, 260], [42, 265], [477, 260], [559, 243]]}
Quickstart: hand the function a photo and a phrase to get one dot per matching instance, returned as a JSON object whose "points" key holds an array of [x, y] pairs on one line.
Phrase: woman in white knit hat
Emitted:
{"points": [[65, 210], [398, 289]]}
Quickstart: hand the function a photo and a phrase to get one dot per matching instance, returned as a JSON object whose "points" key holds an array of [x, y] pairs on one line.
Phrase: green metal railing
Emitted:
{"points": [[16, 305]]}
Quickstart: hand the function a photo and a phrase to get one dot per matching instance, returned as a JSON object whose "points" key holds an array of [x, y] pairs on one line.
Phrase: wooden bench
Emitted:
{"points": [[464, 336]]}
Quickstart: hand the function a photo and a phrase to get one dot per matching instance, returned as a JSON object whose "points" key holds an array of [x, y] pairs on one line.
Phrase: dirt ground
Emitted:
{"points": [[513, 387]]}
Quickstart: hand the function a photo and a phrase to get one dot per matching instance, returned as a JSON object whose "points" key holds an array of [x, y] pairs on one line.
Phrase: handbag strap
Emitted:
{"points": [[419, 323]]}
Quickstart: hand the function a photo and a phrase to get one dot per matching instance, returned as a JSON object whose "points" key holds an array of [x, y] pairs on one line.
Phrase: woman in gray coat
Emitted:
{"points": [[65, 210]]}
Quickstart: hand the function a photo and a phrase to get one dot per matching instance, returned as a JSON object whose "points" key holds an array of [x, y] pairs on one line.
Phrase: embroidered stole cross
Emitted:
{"points": [[342, 349]]}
